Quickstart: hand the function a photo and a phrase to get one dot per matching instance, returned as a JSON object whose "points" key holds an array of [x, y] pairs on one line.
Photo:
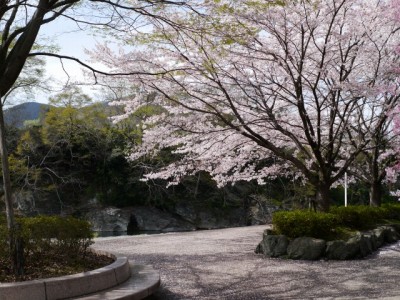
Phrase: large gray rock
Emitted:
{"points": [[372, 240], [260, 210], [187, 211], [203, 218], [109, 219], [362, 241], [390, 233], [306, 248], [341, 250], [380, 236], [25, 202], [153, 219], [273, 245], [31, 203]]}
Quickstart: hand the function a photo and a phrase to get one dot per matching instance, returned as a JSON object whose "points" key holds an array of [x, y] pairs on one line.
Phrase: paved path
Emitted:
{"points": [[221, 264]]}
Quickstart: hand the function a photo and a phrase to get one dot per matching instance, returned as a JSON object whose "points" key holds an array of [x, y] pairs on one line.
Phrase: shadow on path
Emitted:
{"points": [[221, 264]]}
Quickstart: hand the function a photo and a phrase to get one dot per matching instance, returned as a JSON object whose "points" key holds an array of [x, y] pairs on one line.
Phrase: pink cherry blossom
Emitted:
{"points": [[253, 90]]}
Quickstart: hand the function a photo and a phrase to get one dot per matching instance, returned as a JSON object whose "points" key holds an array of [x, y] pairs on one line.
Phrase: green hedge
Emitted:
{"points": [[49, 235], [392, 211], [360, 217], [59, 234], [304, 223], [325, 225]]}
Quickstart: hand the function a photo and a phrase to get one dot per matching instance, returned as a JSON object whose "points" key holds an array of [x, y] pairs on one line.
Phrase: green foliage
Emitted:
{"points": [[299, 223], [43, 234], [339, 221], [360, 217], [46, 235], [392, 211], [4, 249], [44, 240]]}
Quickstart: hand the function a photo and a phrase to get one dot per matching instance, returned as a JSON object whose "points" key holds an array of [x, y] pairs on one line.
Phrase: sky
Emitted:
{"points": [[71, 41]]}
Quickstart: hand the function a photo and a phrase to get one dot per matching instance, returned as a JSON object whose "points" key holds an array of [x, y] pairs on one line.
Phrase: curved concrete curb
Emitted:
{"points": [[143, 282], [69, 286]]}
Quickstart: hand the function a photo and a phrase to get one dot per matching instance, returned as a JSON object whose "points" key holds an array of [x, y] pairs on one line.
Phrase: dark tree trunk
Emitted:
{"points": [[323, 197], [375, 194], [14, 241]]}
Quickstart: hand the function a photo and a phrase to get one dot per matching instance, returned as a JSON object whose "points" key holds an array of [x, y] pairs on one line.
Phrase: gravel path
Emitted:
{"points": [[221, 264]]}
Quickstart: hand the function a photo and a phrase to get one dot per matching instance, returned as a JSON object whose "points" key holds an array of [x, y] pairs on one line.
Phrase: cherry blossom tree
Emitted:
{"points": [[373, 166], [259, 89], [393, 170]]}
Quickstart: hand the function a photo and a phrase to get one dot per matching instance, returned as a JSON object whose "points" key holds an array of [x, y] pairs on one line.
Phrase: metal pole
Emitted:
{"points": [[345, 189]]}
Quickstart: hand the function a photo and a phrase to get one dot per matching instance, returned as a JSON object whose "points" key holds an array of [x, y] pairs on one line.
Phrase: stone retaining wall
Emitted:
{"points": [[306, 248]]}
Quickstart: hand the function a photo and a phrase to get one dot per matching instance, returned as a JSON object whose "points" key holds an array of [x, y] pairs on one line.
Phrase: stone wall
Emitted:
{"points": [[358, 246]]}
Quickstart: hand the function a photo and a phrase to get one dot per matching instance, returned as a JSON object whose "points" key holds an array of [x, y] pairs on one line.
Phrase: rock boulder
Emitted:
{"points": [[273, 245], [306, 248], [341, 250]]}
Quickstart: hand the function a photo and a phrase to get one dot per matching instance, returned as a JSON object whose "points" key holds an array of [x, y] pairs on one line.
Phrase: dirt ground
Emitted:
{"points": [[221, 264]]}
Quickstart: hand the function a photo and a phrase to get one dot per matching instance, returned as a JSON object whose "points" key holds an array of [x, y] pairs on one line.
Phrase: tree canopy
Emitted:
{"points": [[256, 89]]}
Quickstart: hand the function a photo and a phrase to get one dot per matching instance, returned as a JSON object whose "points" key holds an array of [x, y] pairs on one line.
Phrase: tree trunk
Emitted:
{"points": [[14, 242], [323, 197], [375, 194], [6, 174]]}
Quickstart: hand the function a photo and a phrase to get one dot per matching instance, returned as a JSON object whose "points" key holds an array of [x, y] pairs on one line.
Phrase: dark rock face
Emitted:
{"points": [[182, 217], [153, 219], [390, 233], [341, 250], [110, 219], [273, 245], [204, 218], [142, 218], [306, 248], [380, 236], [113, 219], [260, 211]]}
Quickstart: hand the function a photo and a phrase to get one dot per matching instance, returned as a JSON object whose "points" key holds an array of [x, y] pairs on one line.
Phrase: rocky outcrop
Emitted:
{"points": [[31, 203], [184, 215], [153, 219], [306, 248], [273, 245], [109, 219], [210, 218], [260, 210], [341, 250], [358, 246], [135, 219]]}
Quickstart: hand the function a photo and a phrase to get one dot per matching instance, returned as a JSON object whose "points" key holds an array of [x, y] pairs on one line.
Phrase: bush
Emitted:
{"points": [[340, 219], [44, 236], [360, 217], [305, 223], [392, 211], [52, 233], [4, 249]]}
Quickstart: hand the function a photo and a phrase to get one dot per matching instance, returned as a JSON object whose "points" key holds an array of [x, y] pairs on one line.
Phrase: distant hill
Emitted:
{"points": [[18, 114]]}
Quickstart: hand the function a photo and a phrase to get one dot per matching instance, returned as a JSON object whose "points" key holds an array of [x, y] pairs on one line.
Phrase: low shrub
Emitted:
{"points": [[360, 217], [304, 223], [334, 224], [4, 249], [45, 236], [392, 211], [53, 233]]}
